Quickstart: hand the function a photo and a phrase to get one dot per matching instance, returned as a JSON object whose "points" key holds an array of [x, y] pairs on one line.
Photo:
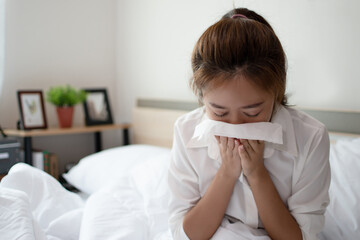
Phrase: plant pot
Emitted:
{"points": [[65, 116]]}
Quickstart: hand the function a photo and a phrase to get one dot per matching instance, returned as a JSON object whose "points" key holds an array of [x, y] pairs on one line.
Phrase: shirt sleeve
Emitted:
{"points": [[311, 181], [183, 184]]}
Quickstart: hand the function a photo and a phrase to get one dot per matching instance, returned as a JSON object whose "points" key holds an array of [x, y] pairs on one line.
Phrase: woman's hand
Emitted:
{"points": [[252, 157], [229, 151]]}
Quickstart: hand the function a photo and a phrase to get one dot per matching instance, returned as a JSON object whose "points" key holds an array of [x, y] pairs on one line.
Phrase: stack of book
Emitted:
{"points": [[47, 162]]}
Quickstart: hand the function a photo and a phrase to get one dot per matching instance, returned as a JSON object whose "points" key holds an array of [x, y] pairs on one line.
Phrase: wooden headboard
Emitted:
{"points": [[153, 121]]}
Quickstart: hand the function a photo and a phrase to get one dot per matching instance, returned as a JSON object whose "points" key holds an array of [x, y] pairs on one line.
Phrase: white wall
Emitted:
{"points": [[320, 37], [142, 48], [58, 42], [2, 41]]}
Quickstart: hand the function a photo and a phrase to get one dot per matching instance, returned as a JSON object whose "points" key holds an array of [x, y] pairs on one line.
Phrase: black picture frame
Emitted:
{"points": [[97, 107], [32, 109]]}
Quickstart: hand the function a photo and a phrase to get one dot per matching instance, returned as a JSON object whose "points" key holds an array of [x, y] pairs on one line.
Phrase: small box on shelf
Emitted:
{"points": [[9, 154]]}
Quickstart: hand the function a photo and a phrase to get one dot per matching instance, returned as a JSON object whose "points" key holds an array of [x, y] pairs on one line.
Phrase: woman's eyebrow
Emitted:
{"points": [[245, 107], [217, 106], [253, 105]]}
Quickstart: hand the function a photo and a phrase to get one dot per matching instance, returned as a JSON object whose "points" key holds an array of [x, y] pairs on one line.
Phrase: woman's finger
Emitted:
{"points": [[257, 145], [223, 142], [247, 146], [231, 143], [244, 156], [236, 145]]}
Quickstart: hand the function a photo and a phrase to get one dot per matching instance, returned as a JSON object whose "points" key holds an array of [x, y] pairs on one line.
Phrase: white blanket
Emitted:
{"points": [[38, 202], [35, 206]]}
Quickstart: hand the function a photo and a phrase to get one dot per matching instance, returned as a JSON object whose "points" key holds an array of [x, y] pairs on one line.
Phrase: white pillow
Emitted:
{"points": [[109, 166], [342, 220]]}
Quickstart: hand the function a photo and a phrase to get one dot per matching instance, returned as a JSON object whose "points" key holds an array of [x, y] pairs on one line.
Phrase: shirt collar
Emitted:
{"points": [[283, 117]]}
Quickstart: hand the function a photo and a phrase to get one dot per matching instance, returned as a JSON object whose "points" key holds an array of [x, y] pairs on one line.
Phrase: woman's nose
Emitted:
{"points": [[236, 119]]}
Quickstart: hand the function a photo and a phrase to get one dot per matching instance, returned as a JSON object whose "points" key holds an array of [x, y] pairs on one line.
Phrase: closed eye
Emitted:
{"points": [[252, 115], [220, 115]]}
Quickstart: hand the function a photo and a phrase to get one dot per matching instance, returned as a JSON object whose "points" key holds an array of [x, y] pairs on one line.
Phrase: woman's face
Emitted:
{"points": [[238, 101]]}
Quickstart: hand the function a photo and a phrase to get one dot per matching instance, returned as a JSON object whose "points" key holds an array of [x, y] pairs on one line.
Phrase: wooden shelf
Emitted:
{"points": [[62, 131], [27, 135]]}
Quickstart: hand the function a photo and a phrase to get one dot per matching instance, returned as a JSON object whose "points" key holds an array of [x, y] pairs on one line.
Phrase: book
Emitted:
{"points": [[53, 166], [38, 159], [46, 159]]}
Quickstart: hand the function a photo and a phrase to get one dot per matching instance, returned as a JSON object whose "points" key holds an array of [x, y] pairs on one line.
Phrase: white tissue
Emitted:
{"points": [[206, 131]]}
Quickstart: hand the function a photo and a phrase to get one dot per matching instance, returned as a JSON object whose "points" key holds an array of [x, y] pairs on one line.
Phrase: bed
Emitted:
{"points": [[123, 190]]}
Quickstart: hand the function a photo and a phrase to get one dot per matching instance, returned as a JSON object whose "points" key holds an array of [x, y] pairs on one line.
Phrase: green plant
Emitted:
{"points": [[62, 96]]}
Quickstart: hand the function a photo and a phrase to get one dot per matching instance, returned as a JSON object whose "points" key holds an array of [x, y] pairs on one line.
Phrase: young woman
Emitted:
{"points": [[239, 75]]}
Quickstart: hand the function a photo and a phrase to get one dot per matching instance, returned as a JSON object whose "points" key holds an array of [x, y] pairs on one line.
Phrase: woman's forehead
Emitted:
{"points": [[236, 90], [235, 81]]}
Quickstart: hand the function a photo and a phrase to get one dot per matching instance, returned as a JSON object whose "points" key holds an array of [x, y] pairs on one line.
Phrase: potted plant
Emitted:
{"points": [[65, 98]]}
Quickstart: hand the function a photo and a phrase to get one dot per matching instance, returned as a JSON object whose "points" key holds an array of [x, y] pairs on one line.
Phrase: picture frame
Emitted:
{"points": [[97, 107], [32, 109]]}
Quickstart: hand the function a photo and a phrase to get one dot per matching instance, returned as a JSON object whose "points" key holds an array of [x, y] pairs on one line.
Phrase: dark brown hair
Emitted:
{"points": [[240, 46]]}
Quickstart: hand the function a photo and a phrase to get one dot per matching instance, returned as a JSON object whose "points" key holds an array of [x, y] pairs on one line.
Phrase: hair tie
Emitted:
{"points": [[239, 16]]}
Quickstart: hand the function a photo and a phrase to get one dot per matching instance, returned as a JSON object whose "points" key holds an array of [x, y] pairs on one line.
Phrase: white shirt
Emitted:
{"points": [[299, 169]]}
